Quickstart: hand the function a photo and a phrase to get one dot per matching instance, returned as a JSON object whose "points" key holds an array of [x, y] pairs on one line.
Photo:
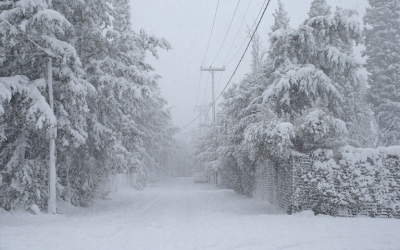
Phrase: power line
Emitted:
{"points": [[244, 53], [227, 32], [237, 66], [219, 81], [244, 41], [209, 39], [237, 33], [200, 113], [208, 110], [205, 55]]}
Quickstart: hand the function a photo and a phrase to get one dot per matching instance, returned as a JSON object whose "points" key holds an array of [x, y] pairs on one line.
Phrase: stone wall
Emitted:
{"points": [[332, 185], [276, 181]]}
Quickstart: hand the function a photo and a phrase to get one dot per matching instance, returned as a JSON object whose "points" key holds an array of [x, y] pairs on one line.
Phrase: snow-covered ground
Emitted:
{"points": [[179, 214]]}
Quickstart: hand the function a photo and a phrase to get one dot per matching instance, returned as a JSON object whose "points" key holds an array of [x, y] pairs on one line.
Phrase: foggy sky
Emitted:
{"points": [[186, 24]]}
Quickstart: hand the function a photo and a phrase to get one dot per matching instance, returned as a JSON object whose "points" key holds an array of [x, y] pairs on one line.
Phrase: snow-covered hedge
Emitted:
{"points": [[351, 181]]}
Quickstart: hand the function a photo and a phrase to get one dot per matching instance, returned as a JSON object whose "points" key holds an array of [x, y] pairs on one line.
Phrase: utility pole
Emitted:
{"points": [[212, 70], [52, 134], [201, 109]]}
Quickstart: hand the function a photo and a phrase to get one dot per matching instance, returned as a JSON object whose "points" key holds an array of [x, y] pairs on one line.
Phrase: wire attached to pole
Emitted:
{"points": [[237, 66], [212, 29], [227, 32]]}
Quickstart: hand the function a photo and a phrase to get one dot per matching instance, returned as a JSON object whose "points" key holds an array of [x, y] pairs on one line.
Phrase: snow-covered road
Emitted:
{"points": [[178, 214]]}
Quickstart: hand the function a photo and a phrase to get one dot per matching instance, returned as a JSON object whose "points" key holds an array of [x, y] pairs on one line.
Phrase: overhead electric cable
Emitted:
{"points": [[219, 81], [227, 32], [208, 110], [237, 33], [205, 55], [244, 53], [200, 113], [237, 66], [244, 41], [209, 39]]}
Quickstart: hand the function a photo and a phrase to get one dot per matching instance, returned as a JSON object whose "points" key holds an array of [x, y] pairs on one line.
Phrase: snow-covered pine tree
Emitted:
{"points": [[127, 126], [281, 18], [127, 102], [227, 154], [314, 72], [319, 8], [382, 36], [83, 168], [259, 142], [207, 149], [235, 166], [134, 86], [242, 113], [355, 112], [240, 109], [29, 32], [23, 168]]}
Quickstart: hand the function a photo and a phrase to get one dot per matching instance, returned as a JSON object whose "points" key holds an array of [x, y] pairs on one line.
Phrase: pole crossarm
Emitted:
{"points": [[212, 69]]}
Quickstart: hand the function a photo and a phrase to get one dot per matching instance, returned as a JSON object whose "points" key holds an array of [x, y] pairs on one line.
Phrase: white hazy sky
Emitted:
{"points": [[186, 24]]}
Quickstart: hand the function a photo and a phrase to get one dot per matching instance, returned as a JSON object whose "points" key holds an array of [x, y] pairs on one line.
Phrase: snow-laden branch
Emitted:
{"points": [[10, 86]]}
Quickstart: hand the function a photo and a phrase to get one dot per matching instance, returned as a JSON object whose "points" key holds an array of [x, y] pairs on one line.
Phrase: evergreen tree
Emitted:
{"points": [[314, 74], [234, 154], [110, 115], [281, 18], [127, 99], [29, 32], [319, 8], [382, 36], [223, 147]]}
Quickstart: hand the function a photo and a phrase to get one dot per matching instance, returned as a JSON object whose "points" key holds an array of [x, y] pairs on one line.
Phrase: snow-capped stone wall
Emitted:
{"points": [[276, 181], [349, 182]]}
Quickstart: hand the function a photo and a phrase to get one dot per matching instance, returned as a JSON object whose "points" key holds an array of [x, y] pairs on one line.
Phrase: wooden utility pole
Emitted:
{"points": [[52, 134], [212, 70], [201, 109]]}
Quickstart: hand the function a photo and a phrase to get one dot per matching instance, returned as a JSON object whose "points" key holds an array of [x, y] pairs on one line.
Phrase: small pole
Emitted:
{"points": [[201, 109], [212, 70], [52, 203], [213, 95]]}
